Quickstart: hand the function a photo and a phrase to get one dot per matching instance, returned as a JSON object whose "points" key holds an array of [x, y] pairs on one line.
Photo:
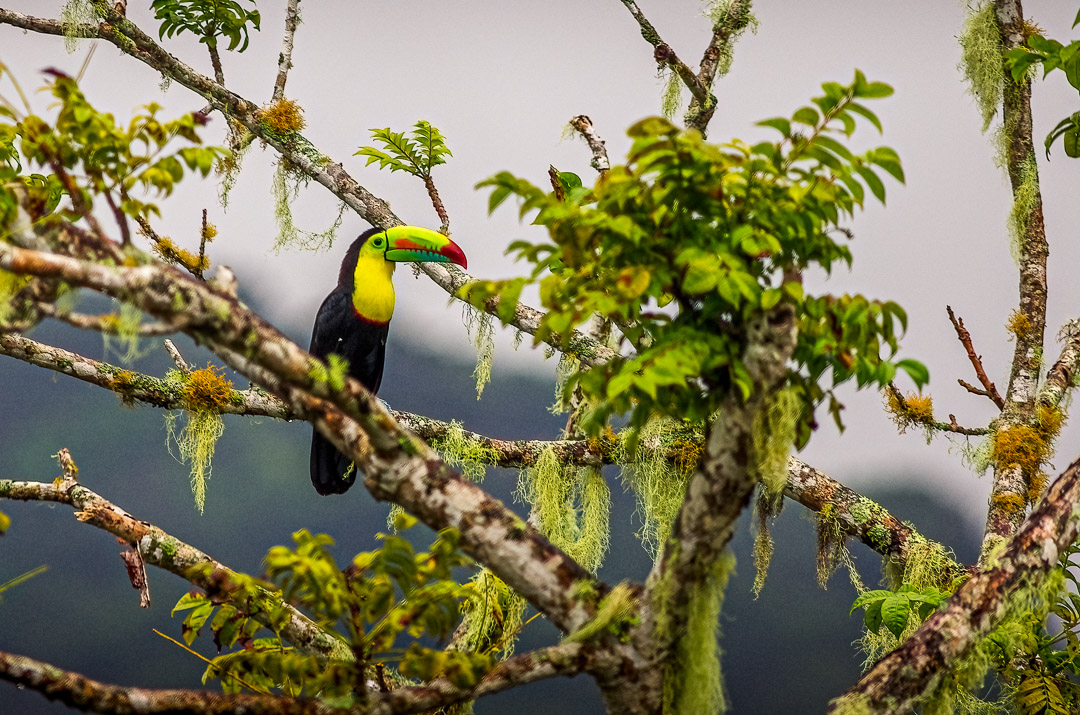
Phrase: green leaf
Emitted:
{"points": [[895, 613], [918, 372], [806, 115], [779, 124], [865, 113]]}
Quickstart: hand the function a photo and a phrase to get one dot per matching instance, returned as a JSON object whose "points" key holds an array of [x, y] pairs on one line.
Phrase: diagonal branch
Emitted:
{"points": [[398, 467], [989, 389], [860, 517], [664, 55], [914, 669], [165, 551], [301, 153]]}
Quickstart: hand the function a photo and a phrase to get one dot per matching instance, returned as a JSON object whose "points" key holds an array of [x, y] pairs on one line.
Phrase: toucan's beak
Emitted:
{"points": [[412, 243]]}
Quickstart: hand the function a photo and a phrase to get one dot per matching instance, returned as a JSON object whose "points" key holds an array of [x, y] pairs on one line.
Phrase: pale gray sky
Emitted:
{"points": [[501, 79]]}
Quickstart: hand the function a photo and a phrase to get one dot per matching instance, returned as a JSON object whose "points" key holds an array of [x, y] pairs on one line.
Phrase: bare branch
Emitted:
{"points": [[292, 19], [665, 55], [725, 31], [584, 126], [990, 390], [914, 669]]}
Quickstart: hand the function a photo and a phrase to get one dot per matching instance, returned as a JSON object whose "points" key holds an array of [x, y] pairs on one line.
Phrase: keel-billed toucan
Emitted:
{"points": [[354, 319]]}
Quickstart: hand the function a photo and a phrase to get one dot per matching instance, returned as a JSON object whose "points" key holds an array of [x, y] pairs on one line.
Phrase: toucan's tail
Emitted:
{"points": [[331, 471]]}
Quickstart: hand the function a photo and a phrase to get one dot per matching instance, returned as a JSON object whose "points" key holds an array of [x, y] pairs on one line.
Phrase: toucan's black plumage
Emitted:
{"points": [[354, 320]]}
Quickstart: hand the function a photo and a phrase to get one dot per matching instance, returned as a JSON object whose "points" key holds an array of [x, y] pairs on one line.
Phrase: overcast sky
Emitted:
{"points": [[501, 79]]}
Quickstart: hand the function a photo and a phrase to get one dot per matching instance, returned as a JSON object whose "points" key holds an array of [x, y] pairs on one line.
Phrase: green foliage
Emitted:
{"points": [[110, 160], [382, 598], [208, 20], [417, 154], [981, 59], [1052, 55], [571, 506], [893, 609], [709, 232]]}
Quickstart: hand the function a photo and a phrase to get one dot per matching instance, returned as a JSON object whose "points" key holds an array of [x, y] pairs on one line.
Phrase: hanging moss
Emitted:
{"points": [[693, 682], [766, 509], [772, 437], [481, 329], [672, 100], [615, 614], [286, 187], [571, 506], [469, 456], [659, 484], [735, 18], [981, 60], [228, 168], [1025, 199], [205, 392], [10, 284], [73, 14], [491, 617], [125, 341], [566, 367]]}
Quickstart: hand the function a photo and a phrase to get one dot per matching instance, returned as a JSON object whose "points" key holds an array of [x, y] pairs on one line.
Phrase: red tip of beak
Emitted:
{"points": [[455, 254]]}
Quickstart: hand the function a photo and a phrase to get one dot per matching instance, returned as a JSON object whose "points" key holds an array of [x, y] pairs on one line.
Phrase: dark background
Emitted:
{"points": [[789, 651]]}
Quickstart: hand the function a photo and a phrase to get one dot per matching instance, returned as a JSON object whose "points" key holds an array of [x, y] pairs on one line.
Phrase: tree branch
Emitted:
{"points": [[989, 389], [81, 693], [921, 662], [398, 467], [1010, 483], [665, 55], [584, 126], [726, 30], [292, 19], [165, 551], [301, 153]]}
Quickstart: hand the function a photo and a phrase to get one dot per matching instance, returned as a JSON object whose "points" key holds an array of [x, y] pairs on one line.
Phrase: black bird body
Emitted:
{"points": [[354, 320]]}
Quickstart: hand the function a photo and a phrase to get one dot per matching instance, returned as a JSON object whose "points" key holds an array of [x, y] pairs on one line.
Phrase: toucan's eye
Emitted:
{"points": [[377, 242]]}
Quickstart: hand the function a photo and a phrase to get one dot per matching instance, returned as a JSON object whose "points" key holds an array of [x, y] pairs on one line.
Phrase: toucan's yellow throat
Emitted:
{"points": [[375, 254], [373, 288]]}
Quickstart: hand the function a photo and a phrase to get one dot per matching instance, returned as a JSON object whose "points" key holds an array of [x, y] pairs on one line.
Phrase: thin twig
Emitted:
{"points": [[584, 126], [177, 358], [292, 19], [990, 390]]}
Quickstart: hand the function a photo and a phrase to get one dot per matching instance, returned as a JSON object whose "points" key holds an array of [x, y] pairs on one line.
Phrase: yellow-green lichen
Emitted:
{"points": [[169, 252], [73, 14], [285, 188], [491, 616], [482, 330], [204, 392], [615, 614], [570, 505], [1028, 446], [911, 410], [671, 100], [693, 682], [469, 456], [734, 18], [1025, 200], [228, 168], [659, 485], [982, 60], [1019, 325], [121, 334], [766, 509], [10, 284], [773, 435]]}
